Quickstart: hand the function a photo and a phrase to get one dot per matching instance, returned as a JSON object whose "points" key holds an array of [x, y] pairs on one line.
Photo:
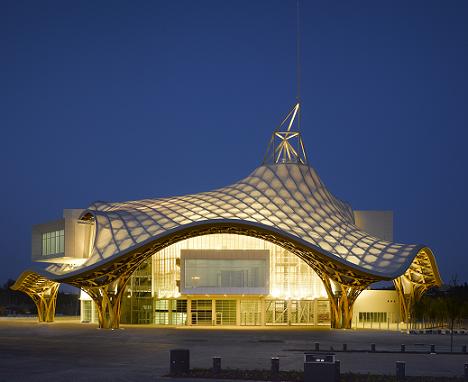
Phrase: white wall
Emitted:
{"points": [[377, 223], [78, 238], [78, 234], [378, 301]]}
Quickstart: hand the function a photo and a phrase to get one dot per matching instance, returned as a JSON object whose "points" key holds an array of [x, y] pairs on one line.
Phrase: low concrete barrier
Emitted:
{"points": [[275, 365], [216, 365], [321, 368], [400, 371], [179, 361]]}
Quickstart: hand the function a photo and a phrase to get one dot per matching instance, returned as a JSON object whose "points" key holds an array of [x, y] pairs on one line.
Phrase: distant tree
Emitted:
{"points": [[68, 304], [456, 304], [435, 308], [420, 309]]}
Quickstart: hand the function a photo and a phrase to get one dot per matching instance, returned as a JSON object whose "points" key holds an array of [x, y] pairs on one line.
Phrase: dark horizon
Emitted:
{"points": [[119, 101]]}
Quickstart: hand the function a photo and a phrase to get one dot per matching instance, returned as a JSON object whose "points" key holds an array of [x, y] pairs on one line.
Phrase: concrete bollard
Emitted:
{"points": [[372, 347], [400, 370], [275, 365], [463, 350], [216, 364], [403, 348], [179, 361], [432, 349], [345, 347], [337, 371], [317, 346]]}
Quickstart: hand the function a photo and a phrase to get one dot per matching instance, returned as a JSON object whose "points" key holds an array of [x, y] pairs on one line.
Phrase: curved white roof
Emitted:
{"points": [[289, 198]]}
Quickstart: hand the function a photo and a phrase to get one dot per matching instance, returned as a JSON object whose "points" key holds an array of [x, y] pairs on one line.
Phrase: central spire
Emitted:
{"points": [[286, 144]]}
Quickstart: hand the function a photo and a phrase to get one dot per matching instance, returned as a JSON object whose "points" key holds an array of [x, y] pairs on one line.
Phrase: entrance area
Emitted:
{"points": [[234, 311]]}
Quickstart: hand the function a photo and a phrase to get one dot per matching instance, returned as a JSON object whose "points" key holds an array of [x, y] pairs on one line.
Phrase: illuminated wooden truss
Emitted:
{"points": [[342, 298], [106, 284], [421, 275], [108, 299], [42, 291]]}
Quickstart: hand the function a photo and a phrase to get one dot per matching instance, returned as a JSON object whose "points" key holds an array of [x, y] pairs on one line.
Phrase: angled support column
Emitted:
{"points": [[403, 299], [46, 302], [42, 291], [421, 275], [341, 302], [108, 299], [409, 293], [346, 300]]}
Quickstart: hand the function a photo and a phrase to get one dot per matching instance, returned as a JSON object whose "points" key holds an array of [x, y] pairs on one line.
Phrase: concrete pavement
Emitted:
{"points": [[70, 351]]}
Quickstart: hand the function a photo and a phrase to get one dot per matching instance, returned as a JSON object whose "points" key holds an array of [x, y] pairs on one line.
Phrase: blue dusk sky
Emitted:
{"points": [[123, 100]]}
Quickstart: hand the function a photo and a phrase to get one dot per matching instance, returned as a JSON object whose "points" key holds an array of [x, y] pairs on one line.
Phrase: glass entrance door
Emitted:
{"points": [[302, 312], [201, 312], [226, 312], [250, 313], [277, 312]]}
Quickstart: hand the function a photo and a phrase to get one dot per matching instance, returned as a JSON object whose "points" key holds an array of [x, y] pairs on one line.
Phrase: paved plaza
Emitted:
{"points": [[69, 351]]}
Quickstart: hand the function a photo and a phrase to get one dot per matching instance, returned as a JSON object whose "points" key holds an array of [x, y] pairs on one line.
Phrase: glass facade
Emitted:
{"points": [[226, 312], [250, 312], [137, 303], [231, 273], [292, 293], [53, 242], [201, 312], [289, 276], [86, 310], [170, 312]]}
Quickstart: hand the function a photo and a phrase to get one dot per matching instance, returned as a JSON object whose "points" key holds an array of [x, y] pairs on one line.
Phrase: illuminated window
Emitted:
{"points": [[53, 242], [86, 309], [226, 312], [372, 316], [201, 312], [206, 273], [288, 276]]}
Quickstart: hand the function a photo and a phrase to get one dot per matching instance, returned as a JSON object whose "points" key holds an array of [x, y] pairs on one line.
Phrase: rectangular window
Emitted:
{"points": [[201, 312], [372, 316], [179, 313], [229, 273], [86, 311], [250, 312], [53, 242], [226, 312]]}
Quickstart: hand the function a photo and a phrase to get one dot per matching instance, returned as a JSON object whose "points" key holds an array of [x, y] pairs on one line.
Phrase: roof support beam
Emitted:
{"points": [[417, 280], [42, 291], [342, 299], [108, 299]]}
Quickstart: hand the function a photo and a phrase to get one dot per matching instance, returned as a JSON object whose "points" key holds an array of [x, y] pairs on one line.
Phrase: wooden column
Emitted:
{"points": [[108, 300]]}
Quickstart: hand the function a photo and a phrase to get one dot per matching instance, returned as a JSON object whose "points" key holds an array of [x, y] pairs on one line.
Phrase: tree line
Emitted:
{"points": [[443, 307], [16, 303]]}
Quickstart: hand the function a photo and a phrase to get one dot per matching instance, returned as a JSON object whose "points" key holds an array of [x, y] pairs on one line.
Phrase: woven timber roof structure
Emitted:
{"points": [[283, 201]]}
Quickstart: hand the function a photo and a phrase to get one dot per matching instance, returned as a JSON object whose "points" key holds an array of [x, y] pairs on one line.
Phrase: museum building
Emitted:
{"points": [[275, 248]]}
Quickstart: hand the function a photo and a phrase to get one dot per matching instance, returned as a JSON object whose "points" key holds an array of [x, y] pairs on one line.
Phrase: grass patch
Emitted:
{"points": [[298, 376]]}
